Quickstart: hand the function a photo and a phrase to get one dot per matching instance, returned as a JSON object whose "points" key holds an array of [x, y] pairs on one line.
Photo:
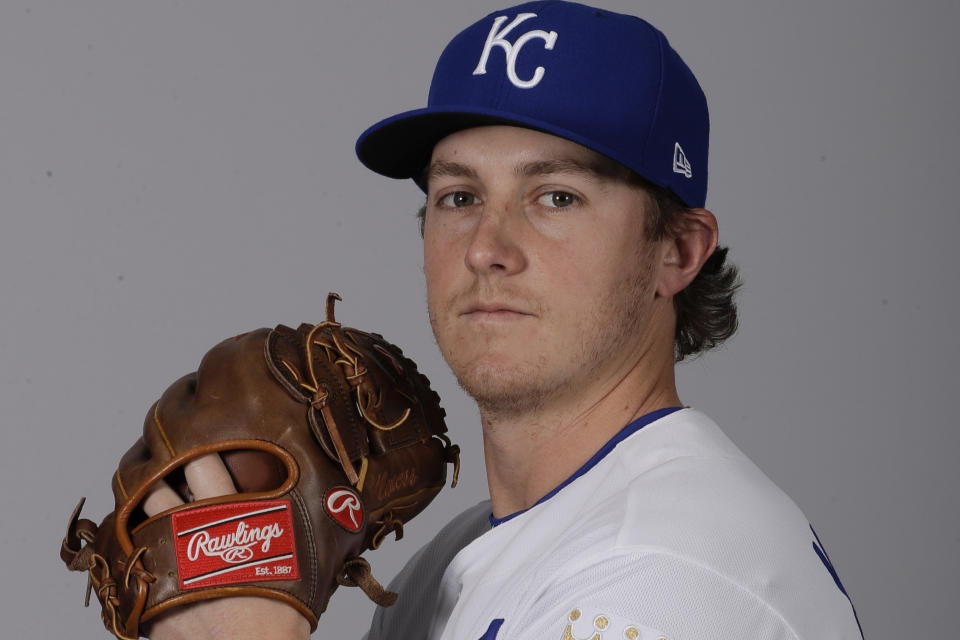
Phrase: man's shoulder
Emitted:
{"points": [[691, 468], [681, 502], [680, 486], [419, 581], [463, 529], [426, 567]]}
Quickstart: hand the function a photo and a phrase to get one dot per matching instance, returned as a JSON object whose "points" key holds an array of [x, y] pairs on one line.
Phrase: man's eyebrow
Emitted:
{"points": [[596, 171], [559, 165], [439, 168]]}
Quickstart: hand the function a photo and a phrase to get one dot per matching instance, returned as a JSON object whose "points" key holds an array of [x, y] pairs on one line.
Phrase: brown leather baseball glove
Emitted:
{"points": [[333, 439]]}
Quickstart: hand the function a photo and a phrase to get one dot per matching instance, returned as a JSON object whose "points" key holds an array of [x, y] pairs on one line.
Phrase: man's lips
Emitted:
{"points": [[494, 311]]}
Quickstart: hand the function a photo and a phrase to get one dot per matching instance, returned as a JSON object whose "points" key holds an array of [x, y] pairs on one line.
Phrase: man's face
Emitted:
{"points": [[540, 280]]}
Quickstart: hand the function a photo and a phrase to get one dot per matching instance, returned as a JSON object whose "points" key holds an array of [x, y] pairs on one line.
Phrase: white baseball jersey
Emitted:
{"points": [[668, 532]]}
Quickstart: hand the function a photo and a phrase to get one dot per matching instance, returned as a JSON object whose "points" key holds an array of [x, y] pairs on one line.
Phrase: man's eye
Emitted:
{"points": [[557, 199], [458, 199]]}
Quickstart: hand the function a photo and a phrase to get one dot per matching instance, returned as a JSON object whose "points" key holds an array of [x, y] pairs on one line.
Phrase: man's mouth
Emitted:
{"points": [[495, 311]]}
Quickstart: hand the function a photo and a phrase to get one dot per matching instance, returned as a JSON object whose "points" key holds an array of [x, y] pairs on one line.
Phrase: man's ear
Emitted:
{"points": [[685, 248]]}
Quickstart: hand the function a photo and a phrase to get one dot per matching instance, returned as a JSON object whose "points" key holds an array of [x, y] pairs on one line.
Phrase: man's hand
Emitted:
{"points": [[264, 474], [240, 618]]}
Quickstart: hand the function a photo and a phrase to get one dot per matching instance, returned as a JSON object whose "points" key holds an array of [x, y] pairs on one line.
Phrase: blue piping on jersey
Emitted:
{"points": [[825, 559], [624, 433], [492, 630]]}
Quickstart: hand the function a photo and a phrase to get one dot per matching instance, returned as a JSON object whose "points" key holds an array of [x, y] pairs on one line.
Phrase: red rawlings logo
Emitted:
{"points": [[343, 505], [234, 543]]}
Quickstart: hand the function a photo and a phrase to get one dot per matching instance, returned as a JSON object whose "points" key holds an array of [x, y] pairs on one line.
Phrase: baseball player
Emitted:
{"points": [[569, 263]]}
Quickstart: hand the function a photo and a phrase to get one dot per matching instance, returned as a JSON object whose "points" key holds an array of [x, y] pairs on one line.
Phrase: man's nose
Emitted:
{"points": [[495, 247]]}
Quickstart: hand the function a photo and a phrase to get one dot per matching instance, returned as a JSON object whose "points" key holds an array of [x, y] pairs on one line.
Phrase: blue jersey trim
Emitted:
{"points": [[623, 434], [492, 630], [825, 559]]}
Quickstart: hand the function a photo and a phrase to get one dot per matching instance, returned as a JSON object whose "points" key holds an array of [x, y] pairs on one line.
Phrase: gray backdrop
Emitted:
{"points": [[173, 173]]}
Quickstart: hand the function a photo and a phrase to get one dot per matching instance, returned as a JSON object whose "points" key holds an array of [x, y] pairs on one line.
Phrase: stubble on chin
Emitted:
{"points": [[515, 387], [503, 388], [503, 392]]}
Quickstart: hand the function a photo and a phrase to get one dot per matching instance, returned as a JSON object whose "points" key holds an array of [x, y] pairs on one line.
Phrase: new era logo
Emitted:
{"points": [[680, 163]]}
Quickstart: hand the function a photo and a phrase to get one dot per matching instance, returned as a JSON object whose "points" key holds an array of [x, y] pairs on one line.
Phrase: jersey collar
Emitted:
{"points": [[623, 434]]}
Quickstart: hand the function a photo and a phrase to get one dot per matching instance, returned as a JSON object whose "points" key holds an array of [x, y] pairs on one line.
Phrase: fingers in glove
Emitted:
{"points": [[208, 477], [160, 498]]}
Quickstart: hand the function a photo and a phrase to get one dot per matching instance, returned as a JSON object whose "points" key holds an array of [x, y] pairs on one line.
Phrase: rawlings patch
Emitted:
{"points": [[344, 506], [235, 543]]}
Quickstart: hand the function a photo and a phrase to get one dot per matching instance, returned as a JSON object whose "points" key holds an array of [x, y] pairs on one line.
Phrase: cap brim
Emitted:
{"points": [[400, 146]]}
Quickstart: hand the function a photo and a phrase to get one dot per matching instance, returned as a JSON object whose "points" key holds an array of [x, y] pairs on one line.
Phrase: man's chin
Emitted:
{"points": [[502, 392]]}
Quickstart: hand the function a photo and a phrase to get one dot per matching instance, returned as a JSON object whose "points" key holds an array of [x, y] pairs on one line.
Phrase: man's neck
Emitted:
{"points": [[529, 454]]}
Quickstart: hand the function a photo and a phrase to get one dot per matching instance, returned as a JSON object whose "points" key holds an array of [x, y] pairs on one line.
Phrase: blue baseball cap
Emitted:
{"points": [[608, 81]]}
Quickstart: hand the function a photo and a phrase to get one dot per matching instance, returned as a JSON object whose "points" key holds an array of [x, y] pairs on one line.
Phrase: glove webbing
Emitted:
{"points": [[356, 375]]}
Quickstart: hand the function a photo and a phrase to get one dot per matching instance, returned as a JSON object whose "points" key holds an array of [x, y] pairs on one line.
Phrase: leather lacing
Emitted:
{"points": [[349, 359], [452, 453], [79, 555], [355, 572], [388, 523]]}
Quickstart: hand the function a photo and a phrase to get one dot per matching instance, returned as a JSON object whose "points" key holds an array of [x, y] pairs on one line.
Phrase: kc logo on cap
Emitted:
{"points": [[495, 38], [608, 81]]}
